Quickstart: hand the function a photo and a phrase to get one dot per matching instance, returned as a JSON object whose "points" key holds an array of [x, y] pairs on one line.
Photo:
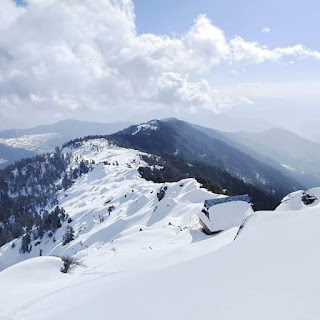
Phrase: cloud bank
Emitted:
{"points": [[65, 56]]}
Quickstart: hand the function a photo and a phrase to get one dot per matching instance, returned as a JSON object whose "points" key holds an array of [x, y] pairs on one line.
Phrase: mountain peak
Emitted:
{"points": [[172, 119]]}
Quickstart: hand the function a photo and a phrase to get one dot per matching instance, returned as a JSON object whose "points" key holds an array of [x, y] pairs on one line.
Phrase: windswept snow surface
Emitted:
{"points": [[166, 271]]}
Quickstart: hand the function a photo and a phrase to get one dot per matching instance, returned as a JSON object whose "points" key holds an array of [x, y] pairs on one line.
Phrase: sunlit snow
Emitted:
{"points": [[148, 259]]}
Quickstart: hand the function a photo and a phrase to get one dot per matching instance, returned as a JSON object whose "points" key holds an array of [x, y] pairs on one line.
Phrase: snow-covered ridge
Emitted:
{"points": [[38, 143], [269, 272], [113, 202], [149, 126], [143, 257]]}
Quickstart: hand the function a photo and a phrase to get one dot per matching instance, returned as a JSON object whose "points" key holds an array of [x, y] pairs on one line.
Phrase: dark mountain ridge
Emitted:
{"points": [[175, 137], [188, 152]]}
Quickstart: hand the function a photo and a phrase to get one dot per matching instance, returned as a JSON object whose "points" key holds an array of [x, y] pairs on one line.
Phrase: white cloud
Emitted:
{"points": [[242, 51], [266, 30], [65, 56], [176, 90]]}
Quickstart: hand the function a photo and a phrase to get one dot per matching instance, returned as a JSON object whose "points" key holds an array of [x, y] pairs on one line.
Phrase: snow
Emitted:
{"points": [[170, 269], [149, 126], [3, 160], [269, 272], [34, 274], [38, 143], [224, 216], [135, 207], [156, 167], [289, 168], [292, 201]]}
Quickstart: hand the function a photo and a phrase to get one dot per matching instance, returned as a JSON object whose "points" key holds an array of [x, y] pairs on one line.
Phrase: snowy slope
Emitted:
{"points": [[39, 143], [141, 232], [148, 259], [136, 206], [25, 143], [269, 272]]}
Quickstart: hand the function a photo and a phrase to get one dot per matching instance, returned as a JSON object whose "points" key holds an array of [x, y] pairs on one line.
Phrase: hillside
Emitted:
{"points": [[110, 200], [16, 144], [10, 154], [298, 156], [138, 242], [37, 205], [69, 128], [270, 271], [178, 138]]}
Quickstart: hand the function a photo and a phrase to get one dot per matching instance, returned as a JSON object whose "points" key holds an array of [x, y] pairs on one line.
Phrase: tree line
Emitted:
{"points": [[28, 195]]}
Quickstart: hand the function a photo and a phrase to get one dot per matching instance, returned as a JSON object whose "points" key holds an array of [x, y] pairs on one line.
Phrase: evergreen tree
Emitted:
{"points": [[83, 168], [68, 236], [25, 243], [66, 182]]}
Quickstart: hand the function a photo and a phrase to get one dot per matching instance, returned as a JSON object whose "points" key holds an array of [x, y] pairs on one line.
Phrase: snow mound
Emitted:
{"points": [[27, 281], [295, 200], [39, 269]]}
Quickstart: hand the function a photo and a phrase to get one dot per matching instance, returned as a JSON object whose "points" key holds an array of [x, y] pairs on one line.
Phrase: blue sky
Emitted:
{"points": [[290, 21], [132, 60]]}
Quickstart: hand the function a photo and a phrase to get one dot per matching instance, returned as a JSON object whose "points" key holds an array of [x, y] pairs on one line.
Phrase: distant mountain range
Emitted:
{"points": [[283, 150], [69, 129], [300, 157], [20, 143], [276, 149]]}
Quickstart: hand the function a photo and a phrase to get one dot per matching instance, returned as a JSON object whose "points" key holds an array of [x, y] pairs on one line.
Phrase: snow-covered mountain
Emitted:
{"points": [[30, 202], [113, 202], [178, 138], [143, 256], [16, 144], [37, 143], [69, 128]]}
